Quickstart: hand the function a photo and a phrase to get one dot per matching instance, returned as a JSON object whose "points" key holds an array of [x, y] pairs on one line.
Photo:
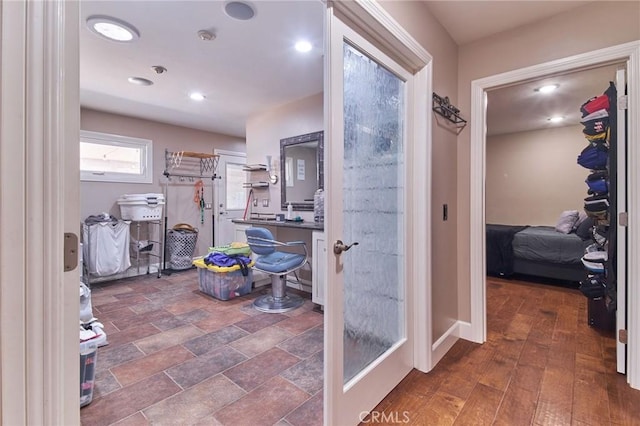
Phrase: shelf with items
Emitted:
{"points": [[599, 157], [258, 176], [190, 164], [258, 185], [255, 168]]}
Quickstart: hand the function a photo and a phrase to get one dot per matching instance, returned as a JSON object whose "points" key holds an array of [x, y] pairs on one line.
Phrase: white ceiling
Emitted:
{"points": [[468, 21], [520, 108], [251, 66]]}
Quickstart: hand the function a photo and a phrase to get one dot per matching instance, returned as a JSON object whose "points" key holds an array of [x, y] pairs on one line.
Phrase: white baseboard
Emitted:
{"points": [[444, 343], [466, 331]]}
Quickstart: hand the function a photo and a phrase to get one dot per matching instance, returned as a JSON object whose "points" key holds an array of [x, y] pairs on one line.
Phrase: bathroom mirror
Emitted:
{"points": [[301, 166]]}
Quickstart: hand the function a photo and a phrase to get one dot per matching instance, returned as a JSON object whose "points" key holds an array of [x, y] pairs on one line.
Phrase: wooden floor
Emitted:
{"points": [[542, 365]]}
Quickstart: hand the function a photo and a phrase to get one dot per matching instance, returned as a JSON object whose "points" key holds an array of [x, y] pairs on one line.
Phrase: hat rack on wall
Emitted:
{"points": [[443, 107]]}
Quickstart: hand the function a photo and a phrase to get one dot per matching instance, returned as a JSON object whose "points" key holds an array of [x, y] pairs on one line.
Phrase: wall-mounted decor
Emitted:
{"points": [[442, 106]]}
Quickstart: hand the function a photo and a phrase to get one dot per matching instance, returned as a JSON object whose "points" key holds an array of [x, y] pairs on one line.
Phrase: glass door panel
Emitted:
{"points": [[373, 210]]}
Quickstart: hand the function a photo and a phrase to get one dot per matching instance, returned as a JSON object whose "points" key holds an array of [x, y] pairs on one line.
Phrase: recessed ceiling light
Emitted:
{"points": [[112, 28], [195, 96], [548, 88], [555, 119], [140, 81], [303, 46], [239, 10]]}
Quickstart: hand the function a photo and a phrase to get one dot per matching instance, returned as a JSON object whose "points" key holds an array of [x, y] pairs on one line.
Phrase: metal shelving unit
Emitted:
{"points": [[154, 252]]}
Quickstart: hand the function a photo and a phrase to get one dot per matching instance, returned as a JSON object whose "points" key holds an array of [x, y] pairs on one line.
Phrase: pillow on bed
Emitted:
{"points": [[584, 229], [567, 219], [582, 216]]}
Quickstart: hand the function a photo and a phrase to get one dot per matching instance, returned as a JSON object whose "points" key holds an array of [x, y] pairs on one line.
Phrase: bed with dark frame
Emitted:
{"points": [[538, 251]]}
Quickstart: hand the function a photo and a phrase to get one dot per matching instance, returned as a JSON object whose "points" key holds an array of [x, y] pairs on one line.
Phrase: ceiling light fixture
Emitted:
{"points": [[303, 46], [195, 96], [112, 28], [555, 119], [239, 10], [547, 88], [139, 81]]}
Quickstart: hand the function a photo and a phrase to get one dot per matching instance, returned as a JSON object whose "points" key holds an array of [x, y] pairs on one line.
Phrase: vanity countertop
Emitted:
{"points": [[285, 224]]}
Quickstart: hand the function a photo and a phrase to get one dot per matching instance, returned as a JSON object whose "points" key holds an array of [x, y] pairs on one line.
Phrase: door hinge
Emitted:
{"points": [[623, 101], [70, 256], [622, 336], [623, 219]]}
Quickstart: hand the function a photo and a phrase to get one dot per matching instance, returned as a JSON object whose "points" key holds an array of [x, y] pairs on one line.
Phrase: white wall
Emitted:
{"points": [[96, 197], [533, 176], [422, 25]]}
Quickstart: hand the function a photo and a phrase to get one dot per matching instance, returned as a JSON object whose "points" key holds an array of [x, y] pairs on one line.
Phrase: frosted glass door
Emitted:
{"points": [[367, 315], [373, 210]]}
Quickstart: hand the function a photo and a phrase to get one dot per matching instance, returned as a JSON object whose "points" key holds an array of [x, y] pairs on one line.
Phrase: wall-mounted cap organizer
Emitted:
{"points": [[443, 107]]}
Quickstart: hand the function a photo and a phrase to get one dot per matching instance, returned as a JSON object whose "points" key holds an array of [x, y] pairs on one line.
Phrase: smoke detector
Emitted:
{"points": [[159, 69], [205, 35]]}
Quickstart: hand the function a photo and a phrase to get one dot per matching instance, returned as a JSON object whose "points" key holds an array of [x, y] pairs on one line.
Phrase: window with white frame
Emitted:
{"points": [[115, 158]]}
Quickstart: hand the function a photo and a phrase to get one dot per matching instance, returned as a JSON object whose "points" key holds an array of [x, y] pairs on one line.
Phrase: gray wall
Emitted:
{"points": [[97, 197]]}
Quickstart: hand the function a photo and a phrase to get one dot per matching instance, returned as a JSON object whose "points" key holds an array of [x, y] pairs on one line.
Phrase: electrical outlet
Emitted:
{"points": [[207, 206], [265, 202], [255, 202]]}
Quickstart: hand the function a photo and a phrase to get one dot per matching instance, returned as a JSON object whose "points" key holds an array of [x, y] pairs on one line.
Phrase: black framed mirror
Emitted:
{"points": [[302, 169]]}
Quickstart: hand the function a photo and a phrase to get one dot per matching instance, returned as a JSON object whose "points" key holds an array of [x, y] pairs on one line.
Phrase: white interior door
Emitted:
{"points": [[230, 196], [621, 236], [368, 341], [39, 204]]}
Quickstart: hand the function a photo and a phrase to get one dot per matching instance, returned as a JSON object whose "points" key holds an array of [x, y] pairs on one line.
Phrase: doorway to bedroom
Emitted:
{"points": [[535, 190], [625, 54]]}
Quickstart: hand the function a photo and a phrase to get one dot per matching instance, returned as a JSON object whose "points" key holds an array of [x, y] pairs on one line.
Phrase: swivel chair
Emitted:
{"points": [[277, 264]]}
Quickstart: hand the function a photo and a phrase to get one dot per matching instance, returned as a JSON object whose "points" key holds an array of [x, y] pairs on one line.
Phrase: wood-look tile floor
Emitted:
{"points": [[542, 365], [179, 357]]}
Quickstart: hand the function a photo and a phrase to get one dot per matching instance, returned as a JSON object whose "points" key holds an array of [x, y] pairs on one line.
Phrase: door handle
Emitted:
{"points": [[339, 246]]}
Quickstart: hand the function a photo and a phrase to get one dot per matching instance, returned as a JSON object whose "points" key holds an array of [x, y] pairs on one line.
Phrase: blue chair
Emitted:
{"points": [[277, 264]]}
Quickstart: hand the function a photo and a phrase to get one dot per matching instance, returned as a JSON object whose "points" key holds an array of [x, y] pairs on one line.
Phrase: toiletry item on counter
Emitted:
{"points": [[318, 206], [289, 211]]}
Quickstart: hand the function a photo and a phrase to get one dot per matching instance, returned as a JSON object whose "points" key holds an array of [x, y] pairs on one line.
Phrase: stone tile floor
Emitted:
{"points": [[178, 356]]}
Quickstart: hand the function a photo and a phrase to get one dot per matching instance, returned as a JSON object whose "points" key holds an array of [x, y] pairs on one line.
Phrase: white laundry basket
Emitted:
{"points": [[141, 207]]}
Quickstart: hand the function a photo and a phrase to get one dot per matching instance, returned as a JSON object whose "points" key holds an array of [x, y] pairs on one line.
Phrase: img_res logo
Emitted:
{"points": [[392, 417]]}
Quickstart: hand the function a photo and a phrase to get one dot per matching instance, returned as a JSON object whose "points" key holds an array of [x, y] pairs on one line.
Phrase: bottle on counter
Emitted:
{"points": [[289, 211], [318, 206]]}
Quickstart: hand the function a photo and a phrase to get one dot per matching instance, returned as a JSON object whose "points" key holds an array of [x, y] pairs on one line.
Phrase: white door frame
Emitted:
{"points": [[370, 19], [39, 202], [629, 52]]}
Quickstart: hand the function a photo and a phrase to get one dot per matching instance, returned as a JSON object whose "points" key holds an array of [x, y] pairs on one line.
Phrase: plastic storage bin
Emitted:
{"points": [[223, 283], [88, 357], [141, 207]]}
